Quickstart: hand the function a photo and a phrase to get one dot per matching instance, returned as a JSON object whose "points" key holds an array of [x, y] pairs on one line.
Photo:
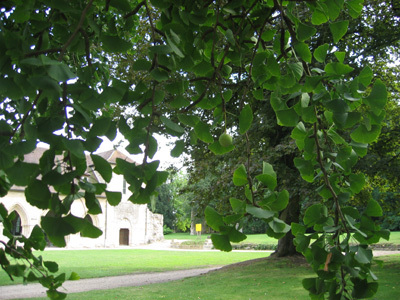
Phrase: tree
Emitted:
{"points": [[59, 86], [172, 203]]}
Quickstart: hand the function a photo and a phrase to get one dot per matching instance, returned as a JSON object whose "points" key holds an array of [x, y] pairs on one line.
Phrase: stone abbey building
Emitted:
{"points": [[126, 224]]}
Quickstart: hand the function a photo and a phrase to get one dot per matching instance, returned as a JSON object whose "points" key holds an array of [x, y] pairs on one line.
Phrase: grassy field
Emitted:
{"points": [[264, 239], [100, 263], [272, 279]]}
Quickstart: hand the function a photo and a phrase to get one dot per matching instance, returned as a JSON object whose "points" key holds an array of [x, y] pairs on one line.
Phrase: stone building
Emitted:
{"points": [[126, 224]]}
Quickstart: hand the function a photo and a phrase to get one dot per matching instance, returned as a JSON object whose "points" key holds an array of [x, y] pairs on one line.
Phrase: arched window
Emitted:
{"points": [[16, 226]]}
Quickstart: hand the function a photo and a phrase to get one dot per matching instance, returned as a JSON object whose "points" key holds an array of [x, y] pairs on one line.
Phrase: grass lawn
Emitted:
{"points": [[272, 279], [265, 239], [100, 263]]}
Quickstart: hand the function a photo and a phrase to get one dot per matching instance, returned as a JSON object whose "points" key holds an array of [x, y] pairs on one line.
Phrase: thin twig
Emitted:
{"points": [[87, 46], [135, 10], [78, 27], [32, 266], [25, 117]]}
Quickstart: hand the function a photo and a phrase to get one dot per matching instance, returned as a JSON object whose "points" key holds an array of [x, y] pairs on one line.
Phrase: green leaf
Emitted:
{"points": [[235, 236], [159, 75], [22, 173], [340, 56], [373, 209], [338, 30], [202, 131], [268, 177], [240, 176], [259, 212], [357, 182], [304, 32], [218, 149], [55, 295], [364, 136], [171, 125], [337, 68], [90, 231], [174, 47], [60, 72], [92, 203], [56, 229], [245, 119], [334, 8], [74, 276], [114, 198], [321, 52], [141, 65], [306, 169], [302, 242], [365, 76], [229, 36], [355, 7], [278, 226], [160, 3], [213, 218], [114, 44], [303, 51], [315, 214], [188, 120], [287, 117], [378, 97], [122, 5], [102, 166], [363, 256], [75, 147], [37, 194], [179, 101], [318, 17], [363, 289], [237, 205], [298, 229], [281, 202], [178, 149], [297, 69], [51, 266], [221, 242]]}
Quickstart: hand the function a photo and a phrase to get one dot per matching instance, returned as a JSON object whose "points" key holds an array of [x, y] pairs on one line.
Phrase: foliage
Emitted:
{"points": [[167, 230], [172, 204], [203, 67]]}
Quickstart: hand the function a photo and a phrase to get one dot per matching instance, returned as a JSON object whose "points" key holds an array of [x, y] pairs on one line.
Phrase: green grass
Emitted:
{"points": [[100, 263], [264, 239], [270, 279], [251, 238], [394, 238]]}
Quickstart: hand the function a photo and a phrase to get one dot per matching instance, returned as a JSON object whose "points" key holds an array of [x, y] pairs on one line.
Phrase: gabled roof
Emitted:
{"points": [[112, 155]]}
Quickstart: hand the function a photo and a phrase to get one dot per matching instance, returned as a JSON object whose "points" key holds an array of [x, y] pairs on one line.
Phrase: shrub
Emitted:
{"points": [[167, 230]]}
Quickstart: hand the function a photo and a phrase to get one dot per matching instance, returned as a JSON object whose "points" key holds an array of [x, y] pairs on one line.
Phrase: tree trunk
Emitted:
{"points": [[192, 222], [289, 215]]}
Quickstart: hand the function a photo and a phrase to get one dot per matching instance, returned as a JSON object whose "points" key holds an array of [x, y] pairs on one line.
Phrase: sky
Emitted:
{"points": [[162, 154]]}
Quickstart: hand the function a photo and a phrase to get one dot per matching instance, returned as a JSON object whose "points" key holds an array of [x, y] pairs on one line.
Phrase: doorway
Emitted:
{"points": [[124, 237]]}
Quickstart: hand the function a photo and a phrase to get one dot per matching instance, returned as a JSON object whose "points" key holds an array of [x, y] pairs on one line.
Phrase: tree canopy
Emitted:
{"points": [[193, 70]]}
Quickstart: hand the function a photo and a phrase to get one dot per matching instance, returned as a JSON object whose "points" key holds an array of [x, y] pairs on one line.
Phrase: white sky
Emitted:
{"points": [[163, 152]]}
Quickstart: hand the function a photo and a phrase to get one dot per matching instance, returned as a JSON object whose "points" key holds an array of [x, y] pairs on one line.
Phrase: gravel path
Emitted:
{"points": [[105, 283]]}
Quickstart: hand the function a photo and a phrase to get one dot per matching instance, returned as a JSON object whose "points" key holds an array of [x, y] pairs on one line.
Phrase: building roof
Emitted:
{"points": [[110, 156]]}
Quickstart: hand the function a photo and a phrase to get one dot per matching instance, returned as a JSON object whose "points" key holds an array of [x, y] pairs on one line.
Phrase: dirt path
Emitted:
{"points": [[105, 283]]}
